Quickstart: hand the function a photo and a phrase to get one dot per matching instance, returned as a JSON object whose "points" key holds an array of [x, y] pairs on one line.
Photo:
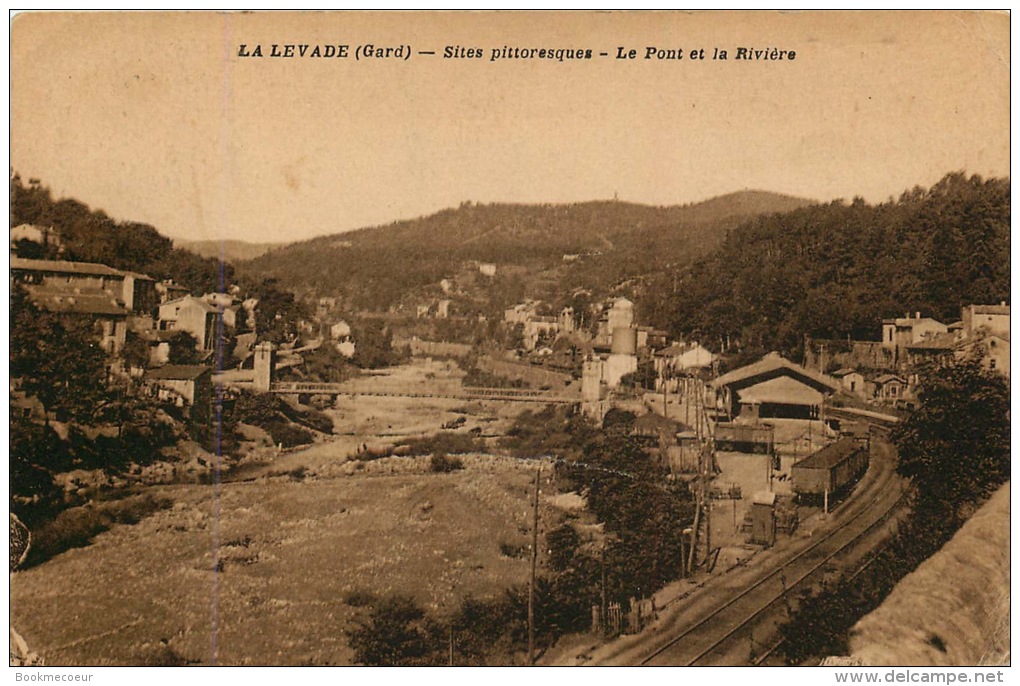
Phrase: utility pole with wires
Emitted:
{"points": [[534, 568]]}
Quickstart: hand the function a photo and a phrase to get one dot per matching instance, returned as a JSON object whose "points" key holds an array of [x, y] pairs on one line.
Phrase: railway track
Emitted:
{"points": [[714, 633]]}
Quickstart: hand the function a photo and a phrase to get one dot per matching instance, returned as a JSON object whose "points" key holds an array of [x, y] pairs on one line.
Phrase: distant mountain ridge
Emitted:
{"points": [[227, 250], [375, 267]]}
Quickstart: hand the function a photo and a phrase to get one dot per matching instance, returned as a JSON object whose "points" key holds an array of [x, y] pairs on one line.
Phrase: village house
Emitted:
{"points": [[140, 294], [649, 338], [43, 236], [890, 387], [982, 328], [182, 385], [993, 349], [168, 290], [108, 316], [324, 306], [487, 269], [538, 329], [520, 313], [136, 292], [340, 331], [899, 333], [567, 320], [993, 319], [346, 347], [679, 359], [194, 315], [159, 346], [852, 381], [931, 349]]}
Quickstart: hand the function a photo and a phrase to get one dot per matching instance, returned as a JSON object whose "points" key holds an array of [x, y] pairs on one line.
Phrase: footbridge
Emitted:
{"points": [[516, 395]]}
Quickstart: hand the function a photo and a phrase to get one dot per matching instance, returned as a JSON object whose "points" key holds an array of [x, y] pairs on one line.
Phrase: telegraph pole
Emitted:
{"points": [[534, 566], [605, 605]]}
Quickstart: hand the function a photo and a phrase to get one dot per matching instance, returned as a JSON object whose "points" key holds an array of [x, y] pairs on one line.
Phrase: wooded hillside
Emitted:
{"points": [[89, 235], [374, 268], [835, 270]]}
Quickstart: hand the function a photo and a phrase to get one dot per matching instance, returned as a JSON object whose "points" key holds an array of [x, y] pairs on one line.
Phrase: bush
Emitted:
{"points": [[441, 464], [445, 442], [359, 598], [75, 528], [512, 550], [287, 434], [310, 417], [562, 542], [396, 633]]}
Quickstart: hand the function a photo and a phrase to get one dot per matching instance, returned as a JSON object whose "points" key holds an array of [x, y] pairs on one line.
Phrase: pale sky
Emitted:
{"points": [[155, 117]]}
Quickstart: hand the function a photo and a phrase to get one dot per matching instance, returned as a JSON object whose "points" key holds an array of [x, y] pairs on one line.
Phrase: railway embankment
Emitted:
{"points": [[954, 608]]}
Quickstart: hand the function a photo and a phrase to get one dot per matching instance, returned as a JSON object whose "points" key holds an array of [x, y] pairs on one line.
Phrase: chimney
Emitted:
{"points": [[917, 315], [1002, 303]]}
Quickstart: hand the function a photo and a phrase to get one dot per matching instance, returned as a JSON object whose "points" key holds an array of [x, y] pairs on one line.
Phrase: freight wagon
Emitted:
{"points": [[833, 470], [745, 438]]}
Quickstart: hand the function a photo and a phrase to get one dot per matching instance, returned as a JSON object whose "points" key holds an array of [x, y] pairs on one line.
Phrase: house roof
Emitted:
{"points": [[675, 349], [886, 378], [990, 309], [681, 349], [946, 341], [770, 367], [190, 298], [845, 371], [64, 267], [980, 336], [910, 322], [88, 302], [177, 372]]}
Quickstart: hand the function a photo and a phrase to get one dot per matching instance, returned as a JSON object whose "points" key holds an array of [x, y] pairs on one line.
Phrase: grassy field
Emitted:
{"points": [[290, 556], [268, 570]]}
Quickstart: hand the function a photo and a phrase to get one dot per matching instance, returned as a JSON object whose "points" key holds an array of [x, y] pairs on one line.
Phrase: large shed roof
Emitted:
{"points": [[782, 390], [772, 366], [829, 456]]}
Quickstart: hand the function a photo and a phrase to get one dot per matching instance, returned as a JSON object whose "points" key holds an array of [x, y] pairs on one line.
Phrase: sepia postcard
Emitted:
{"points": [[510, 339]]}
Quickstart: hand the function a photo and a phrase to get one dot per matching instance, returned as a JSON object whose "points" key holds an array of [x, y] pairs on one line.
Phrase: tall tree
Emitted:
{"points": [[57, 358], [956, 446]]}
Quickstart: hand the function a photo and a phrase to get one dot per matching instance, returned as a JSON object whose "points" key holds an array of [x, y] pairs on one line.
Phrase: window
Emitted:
{"points": [[991, 363]]}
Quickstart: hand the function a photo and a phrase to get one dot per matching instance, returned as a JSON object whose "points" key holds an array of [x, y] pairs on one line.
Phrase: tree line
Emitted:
{"points": [[835, 270]]}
